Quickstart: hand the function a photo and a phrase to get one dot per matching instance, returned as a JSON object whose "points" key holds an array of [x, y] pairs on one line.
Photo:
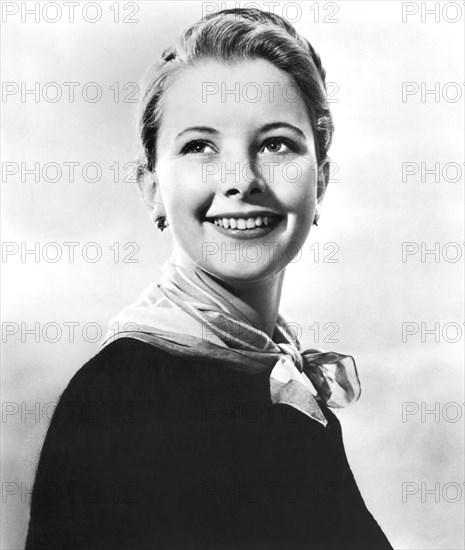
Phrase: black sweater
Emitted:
{"points": [[150, 451]]}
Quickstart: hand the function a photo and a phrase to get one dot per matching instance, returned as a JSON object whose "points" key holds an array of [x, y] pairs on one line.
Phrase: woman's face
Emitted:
{"points": [[236, 169]]}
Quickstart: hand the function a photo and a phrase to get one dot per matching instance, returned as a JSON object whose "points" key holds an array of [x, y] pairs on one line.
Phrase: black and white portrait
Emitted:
{"points": [[232, 256]]}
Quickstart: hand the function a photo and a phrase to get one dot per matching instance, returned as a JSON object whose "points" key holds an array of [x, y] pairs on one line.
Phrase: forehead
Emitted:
{"points": [[229, 96]]}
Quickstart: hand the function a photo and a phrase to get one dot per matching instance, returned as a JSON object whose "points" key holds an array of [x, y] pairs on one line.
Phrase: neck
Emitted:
{"points": [[259, 301]]}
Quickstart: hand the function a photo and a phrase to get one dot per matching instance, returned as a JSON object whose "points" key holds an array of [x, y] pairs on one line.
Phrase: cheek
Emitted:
{"points": [[298, 189], [182, 191]]}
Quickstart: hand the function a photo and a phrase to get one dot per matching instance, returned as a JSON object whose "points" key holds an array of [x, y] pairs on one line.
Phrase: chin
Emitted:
{"points": [[242, 274]]}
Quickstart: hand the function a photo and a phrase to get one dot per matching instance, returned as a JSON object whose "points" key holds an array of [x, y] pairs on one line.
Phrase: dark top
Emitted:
{"points": [[150, 451]]}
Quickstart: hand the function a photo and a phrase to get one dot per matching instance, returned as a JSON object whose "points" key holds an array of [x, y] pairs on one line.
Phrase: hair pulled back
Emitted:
{"points": [[235, 35]]}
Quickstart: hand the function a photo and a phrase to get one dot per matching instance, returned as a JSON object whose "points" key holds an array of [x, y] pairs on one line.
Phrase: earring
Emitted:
{"points": [[161, 222], [159, 216], [315, 222]]}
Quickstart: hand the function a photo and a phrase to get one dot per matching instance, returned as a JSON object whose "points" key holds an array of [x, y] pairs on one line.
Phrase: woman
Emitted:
{"points": [[203, 424]]}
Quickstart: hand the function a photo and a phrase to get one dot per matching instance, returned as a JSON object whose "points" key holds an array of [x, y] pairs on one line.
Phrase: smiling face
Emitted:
{"points": [[236, 148]]}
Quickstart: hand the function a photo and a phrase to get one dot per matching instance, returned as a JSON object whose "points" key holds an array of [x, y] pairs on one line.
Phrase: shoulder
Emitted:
{"points": [[128, 391], [129, 380], [122, 356], [126, 363]]}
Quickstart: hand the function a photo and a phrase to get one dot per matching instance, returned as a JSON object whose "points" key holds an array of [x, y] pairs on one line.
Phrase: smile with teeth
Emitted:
{"points": [[242, 223]]}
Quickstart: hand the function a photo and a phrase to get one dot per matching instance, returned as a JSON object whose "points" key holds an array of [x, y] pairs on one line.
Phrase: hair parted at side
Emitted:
{"points": [[235, 35]]}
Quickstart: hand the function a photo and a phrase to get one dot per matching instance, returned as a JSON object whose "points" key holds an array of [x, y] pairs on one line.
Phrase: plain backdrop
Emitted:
{"points": [[369, 212]]}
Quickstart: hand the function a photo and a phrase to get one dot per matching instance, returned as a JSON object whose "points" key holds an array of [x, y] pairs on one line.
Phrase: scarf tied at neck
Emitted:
{"points": [[190, 315]]}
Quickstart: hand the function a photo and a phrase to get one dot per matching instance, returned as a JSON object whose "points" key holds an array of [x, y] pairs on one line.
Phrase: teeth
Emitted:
{"points": [[242, 223]]}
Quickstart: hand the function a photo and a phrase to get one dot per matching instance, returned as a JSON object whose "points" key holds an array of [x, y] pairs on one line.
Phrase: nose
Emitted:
{"points": [[242, 175]]}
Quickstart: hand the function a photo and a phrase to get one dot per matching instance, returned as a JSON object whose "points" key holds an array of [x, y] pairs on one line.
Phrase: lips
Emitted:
{"points": [[244, 220], [243, 223], [246, 228]]}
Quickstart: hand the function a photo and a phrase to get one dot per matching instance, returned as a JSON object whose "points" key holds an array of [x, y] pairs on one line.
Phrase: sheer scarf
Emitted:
{"points": [[189, 314]]}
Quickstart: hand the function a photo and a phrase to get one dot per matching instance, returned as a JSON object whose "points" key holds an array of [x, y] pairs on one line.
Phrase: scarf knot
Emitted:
{"points": [[292, 350]]}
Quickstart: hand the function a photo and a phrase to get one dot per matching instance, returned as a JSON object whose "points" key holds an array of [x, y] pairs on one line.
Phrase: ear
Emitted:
{"points": [[150, 193], [323, 181]]}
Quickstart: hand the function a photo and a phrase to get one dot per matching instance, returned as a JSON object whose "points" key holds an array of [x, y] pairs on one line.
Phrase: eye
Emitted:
{"points": [[278, 145], [197, 147]]}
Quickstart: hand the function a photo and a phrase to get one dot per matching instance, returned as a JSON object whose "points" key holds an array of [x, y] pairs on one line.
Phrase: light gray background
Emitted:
{"points": [[369, 213]]}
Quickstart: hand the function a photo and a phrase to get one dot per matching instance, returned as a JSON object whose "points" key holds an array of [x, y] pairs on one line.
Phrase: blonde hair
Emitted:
{"points": [[235, 35]]}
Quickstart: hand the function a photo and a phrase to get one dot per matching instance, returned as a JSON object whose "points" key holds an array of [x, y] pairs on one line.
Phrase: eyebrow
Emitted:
{"points": [[205, 129], [265, 128], [276, 125]]}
